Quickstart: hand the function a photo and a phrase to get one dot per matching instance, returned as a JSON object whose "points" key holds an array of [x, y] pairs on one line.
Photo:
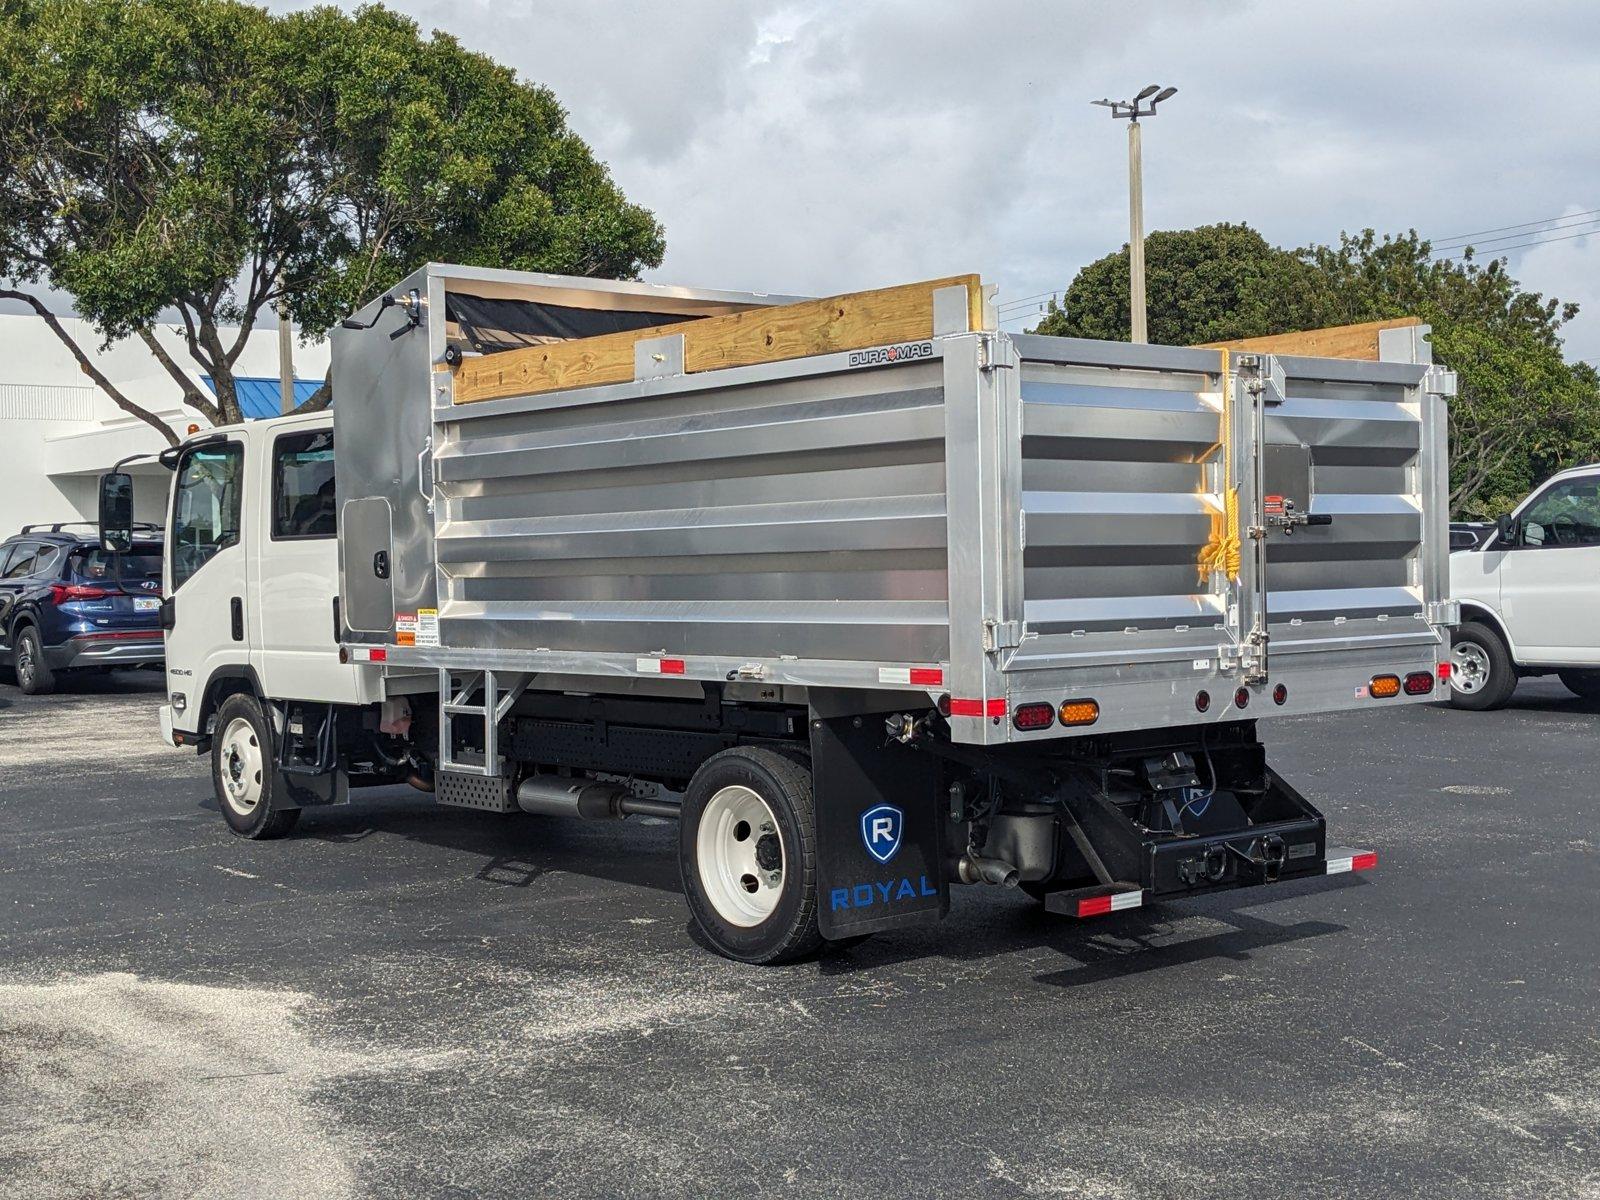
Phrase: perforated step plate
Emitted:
{"points": [[491, 793]]}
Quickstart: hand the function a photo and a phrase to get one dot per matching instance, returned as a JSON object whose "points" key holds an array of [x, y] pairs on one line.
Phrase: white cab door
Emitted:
{"points": [[296, 585], [1550, 581], [207, 578]]}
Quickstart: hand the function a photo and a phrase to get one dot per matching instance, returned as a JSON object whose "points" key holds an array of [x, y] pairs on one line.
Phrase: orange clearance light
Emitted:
{"points": [[1080, 712], [193, 429], [1384, 686]]}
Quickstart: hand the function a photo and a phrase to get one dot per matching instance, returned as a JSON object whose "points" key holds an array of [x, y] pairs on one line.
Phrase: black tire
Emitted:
{"points": [[1489, 657], [1582, 683], [784, 786], [34, 676], [257, 812]]}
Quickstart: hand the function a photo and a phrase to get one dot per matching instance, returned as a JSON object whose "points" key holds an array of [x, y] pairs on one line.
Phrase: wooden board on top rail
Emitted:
{"points": [[855, 321], [1336, 341]]}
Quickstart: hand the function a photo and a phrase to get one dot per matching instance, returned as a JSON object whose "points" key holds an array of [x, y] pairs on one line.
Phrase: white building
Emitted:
{"points": [[59, 431]]}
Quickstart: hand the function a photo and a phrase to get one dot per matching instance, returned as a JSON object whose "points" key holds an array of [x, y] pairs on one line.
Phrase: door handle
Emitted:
{"points": [[380, 564], [236, 609]]}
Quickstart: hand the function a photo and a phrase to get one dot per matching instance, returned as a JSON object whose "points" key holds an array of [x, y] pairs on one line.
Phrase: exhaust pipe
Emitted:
{"points": [[586, 799], [973, 868]]}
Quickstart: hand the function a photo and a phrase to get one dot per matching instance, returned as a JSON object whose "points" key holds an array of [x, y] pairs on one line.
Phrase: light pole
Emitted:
{"points": [[1142, 105]]}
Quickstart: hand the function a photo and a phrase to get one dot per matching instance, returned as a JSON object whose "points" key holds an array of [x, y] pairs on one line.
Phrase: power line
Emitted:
{"points": [[1026, 300], [1526, 245], [1568, 223], [1460, 237]]}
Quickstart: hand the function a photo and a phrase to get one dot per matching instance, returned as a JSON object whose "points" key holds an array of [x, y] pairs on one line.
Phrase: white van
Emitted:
{"points": [[1530, 596]]}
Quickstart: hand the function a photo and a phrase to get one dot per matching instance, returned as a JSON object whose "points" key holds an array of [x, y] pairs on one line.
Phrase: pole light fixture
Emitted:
{"points": [[1142, 105]]}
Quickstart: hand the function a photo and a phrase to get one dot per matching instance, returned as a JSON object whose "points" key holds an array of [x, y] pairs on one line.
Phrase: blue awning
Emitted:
{"points": [[258, 395]]}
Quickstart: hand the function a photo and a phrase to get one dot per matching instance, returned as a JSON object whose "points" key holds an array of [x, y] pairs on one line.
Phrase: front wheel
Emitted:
{"points": [[242, 774], [1482, 675], [747, 851]]}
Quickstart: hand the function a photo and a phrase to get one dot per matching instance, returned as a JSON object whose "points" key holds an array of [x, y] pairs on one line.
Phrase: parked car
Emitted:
{"points": [[1468, 535], [66, 605], [1530, 596]]}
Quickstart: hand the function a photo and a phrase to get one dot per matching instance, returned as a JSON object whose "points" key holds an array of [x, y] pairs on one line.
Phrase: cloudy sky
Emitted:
{"points": [[820, 147]]}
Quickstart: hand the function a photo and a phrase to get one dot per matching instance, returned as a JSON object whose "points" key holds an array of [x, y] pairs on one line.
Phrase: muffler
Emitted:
{"points": [[586, 799]]}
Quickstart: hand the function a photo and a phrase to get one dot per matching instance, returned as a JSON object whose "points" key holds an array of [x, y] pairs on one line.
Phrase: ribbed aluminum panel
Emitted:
{"points": [[1365, 442], [801, 516], [1117, 503]]}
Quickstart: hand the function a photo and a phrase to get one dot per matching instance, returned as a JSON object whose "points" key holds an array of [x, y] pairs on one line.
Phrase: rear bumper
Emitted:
{"points": [[120, 649]]}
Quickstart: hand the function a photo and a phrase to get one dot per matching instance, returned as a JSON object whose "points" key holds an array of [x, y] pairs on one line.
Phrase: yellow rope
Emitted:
{"points": [[1221, 552]]}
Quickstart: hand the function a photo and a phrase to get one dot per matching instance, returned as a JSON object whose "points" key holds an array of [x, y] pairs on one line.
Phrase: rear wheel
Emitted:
{"points": [[748, 856], [241, 772], [1582, 683], [34, 675], [1482, 675]]}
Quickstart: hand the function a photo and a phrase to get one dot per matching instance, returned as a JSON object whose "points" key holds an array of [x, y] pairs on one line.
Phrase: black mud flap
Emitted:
{"points": [[880, 852]]}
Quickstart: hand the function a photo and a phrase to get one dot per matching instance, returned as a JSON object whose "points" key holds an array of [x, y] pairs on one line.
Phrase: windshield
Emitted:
{"points": [[205, 510], [141, 565]]}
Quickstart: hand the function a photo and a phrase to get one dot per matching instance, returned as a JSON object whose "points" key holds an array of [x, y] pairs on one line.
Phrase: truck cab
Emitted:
{"points": [[252, 555], [1530, 596]]}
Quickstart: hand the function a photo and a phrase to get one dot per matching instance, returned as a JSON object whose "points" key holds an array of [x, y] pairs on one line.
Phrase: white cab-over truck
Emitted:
{"points": [[871, 597], [1530, 596]]}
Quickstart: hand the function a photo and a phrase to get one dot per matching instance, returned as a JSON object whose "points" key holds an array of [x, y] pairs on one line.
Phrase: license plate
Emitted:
{"points": [[146, 603]]}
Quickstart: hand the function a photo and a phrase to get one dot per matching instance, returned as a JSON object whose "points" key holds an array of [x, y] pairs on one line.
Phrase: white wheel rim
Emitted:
{"points": [[1469, 667], [738, 831], [241, 767]]}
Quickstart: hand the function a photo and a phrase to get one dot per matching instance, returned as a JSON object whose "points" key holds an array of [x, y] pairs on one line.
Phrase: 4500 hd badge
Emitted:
{"points": [[905, 352]]}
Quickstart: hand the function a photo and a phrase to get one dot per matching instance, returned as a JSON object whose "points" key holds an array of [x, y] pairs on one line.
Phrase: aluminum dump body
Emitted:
{"points": [[999, 520]]}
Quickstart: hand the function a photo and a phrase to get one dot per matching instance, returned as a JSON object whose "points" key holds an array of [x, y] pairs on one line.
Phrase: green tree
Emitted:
{"points": [[206, 158], [1522, 412]]}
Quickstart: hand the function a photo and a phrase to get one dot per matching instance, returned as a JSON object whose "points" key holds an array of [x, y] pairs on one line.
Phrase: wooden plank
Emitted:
{"points": [[854, 321], [1337, 341]]}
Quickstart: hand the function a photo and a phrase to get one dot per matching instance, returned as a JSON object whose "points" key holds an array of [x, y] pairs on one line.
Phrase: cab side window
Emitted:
{"points": [[1566, 514], [205, 508], [302, 486]]}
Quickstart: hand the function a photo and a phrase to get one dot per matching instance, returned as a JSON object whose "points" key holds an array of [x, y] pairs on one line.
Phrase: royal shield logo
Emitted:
{"points": [[881, 828]]}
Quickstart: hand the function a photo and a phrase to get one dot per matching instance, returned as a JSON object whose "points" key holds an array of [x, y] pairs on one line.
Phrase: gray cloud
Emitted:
{"points": [[821, 147]]}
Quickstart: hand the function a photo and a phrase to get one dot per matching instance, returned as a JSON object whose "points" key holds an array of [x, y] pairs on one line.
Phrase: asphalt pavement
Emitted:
{"points": [[406, 1001]]}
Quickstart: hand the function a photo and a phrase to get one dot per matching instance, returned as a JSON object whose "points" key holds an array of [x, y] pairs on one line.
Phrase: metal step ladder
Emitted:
{"points": [[496, 693]]}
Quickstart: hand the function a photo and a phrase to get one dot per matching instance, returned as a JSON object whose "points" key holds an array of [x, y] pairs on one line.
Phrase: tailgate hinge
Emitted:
{"points": [[1001, 635]]}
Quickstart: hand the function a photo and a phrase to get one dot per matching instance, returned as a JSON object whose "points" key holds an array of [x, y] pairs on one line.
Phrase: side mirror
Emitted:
{"points": [[116, 512], [1506, 527]]}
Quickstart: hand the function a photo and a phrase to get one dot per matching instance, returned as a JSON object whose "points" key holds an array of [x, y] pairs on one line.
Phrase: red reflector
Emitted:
{"points": [[1444, 672], [1094, 906], [1364, 862], [927, 676], [977, 708], [1034, 716], [378, 654], [1419, 683], [672, 666]]}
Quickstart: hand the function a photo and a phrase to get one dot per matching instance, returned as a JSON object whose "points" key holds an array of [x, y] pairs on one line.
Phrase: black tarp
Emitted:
{"points": [[491, 325]]}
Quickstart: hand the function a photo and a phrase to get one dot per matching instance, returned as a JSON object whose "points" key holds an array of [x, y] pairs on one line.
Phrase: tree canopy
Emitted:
{"points": [[1523, 412], [207, 158]]}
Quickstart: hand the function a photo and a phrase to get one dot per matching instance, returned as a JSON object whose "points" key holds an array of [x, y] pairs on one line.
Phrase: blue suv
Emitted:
{"points": [[67, 605]]}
